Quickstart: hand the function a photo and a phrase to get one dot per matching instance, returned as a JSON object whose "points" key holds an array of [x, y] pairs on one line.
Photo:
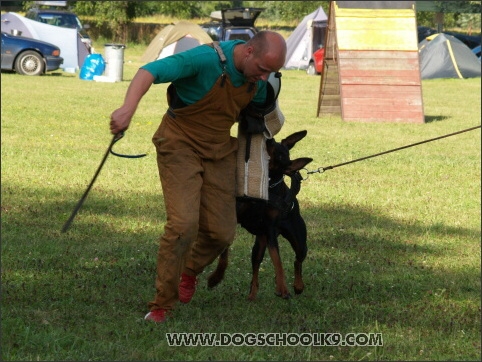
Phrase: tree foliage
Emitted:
{"points": [[458, 7], [289, 10], [118, 14]]}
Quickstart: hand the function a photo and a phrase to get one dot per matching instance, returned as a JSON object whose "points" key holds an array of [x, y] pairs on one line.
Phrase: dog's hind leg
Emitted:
{"points": [[301, 250], [257, 255], [298, 285], [273, 248], [218, 274], [295, 232], [281, 287]]}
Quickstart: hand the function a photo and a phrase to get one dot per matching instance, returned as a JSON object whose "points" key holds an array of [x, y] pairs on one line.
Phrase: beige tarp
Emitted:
{"points": [[175, 38]]}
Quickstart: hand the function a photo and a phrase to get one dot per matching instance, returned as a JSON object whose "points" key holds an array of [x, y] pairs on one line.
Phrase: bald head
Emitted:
{"points": [[269, 43], [261, 55]]}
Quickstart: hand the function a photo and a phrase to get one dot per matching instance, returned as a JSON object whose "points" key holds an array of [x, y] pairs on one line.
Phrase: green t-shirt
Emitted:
{"points": [[195, 71]]}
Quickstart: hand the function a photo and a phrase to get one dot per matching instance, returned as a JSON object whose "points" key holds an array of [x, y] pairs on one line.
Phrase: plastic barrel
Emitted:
{"points": [[114, 61]]}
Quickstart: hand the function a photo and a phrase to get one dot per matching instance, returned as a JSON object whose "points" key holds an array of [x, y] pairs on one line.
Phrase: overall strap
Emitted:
{"points": [[175, 102], [222, 58]]}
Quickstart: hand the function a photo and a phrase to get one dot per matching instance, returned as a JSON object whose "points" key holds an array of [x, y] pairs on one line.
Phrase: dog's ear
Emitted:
{"points": [[298, 164], [291, 140]]}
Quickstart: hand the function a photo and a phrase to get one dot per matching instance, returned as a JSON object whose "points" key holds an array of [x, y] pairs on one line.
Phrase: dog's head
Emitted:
{"points": [[280, 163]]}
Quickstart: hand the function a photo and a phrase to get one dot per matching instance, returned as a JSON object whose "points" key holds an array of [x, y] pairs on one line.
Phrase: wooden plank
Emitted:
{"points": [[379, 64], [380, 91], [330, 88], [382, 114], [415, 117], [379, 73], [331, 98], [374, 29], [329, 110], [373, 13], [416, 120], [378, 54], [408, 117], [372, 39], [378, 23], [401, 103], [330, 92], [398, 81]]}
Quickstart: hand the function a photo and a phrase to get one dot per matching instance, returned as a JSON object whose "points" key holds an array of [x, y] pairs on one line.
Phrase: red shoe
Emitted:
{"points": [[156, 315], [187, 287]]}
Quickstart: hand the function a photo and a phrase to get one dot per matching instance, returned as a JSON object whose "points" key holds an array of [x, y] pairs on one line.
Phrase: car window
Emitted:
{"points": [[63, 20], [213, 32], [242, 34], [56, 19], [232, 24]]}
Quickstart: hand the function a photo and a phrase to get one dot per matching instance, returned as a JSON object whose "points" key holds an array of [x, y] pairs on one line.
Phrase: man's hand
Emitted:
{"points": [[121, 117], [120, 120]]}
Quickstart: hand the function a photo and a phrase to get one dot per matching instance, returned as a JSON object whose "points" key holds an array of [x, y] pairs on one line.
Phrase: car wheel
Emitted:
{"points": [[311, 69], [29, 63]]}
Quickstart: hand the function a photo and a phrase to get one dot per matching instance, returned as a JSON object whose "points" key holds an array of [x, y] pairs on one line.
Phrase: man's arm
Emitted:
{"points": [[121, 117]]}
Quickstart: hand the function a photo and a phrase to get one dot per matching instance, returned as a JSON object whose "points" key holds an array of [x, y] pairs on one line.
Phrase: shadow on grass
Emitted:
{"points": [[429, 119], [363, 269]]}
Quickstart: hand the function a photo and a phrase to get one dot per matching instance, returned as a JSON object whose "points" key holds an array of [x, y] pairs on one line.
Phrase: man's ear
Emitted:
{"points": [[249, 50]]}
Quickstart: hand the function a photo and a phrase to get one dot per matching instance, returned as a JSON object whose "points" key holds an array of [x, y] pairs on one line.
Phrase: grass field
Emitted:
{"points": [[394, 241]]}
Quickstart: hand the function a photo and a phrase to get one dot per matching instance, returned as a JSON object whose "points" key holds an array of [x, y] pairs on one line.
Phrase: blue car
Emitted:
{"points": [[29, 56], [476, 51]]}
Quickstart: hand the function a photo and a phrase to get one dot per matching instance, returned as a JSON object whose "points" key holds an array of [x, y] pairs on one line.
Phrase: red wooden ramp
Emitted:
{"points": [[371, 68]]}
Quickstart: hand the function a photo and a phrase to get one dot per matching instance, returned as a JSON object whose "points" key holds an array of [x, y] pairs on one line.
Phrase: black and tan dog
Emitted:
{"points": [[268, 219]]}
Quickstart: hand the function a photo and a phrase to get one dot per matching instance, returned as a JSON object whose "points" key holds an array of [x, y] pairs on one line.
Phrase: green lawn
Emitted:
{"points": [[394, 241]]}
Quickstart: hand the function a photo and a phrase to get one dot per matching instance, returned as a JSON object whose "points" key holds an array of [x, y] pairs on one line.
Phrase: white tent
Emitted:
{"points": [[71, 47], [307, 38]]}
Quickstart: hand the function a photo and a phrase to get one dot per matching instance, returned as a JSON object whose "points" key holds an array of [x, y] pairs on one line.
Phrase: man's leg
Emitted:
{"points": [[180, 173], [217, 220]]}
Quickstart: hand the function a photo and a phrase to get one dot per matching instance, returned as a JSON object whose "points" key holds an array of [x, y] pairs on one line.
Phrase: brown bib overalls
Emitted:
{"points": [[196, 157]]}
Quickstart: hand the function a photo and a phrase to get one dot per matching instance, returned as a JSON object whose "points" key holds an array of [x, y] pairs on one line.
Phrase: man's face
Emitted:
{"points": [[260, 67]]}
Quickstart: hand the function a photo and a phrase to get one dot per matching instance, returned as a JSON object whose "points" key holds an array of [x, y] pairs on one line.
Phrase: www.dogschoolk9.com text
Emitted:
{"points": [[275, 339]]}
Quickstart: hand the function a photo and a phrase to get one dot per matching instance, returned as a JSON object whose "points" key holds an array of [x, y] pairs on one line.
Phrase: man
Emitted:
{"points": [[196, 155]]}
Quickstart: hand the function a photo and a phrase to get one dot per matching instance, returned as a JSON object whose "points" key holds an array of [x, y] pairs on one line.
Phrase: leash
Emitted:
{"points": [[115, 139], [285, 204], [119, 136], [326, 168]]}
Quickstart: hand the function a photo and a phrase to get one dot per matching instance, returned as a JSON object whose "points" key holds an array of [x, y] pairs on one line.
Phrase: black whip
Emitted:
{"points": [[116, 138], [323, 169]]}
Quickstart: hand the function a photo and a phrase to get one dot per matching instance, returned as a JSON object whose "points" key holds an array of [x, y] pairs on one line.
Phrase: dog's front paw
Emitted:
{"points": [[298, 288], [298, 291], [253, 291], [285, 295], [215, 278]]}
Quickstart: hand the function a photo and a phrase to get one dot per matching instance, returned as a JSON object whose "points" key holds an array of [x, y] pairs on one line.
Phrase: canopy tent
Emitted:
{"points": [[307, 38], [444, 56], [71, 47], [175, 38]]}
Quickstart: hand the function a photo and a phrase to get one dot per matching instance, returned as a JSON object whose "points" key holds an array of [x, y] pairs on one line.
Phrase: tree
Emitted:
{"points": [[290, 10], [469, 22], [458, 7], [117, 14]]}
